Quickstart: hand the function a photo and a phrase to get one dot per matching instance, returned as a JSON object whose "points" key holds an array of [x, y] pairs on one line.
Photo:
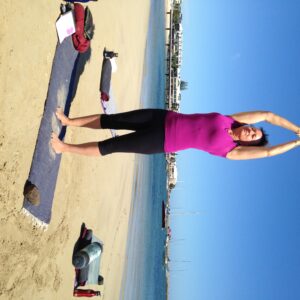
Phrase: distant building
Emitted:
{"points": [[171, 157], [172, 175]]}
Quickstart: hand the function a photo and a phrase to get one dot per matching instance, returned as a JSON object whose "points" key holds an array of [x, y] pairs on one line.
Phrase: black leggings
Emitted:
{"points": [[148, 136]]}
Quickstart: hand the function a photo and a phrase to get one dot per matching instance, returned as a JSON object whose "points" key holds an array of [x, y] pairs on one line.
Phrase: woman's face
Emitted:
{"points": [[248, 133]]}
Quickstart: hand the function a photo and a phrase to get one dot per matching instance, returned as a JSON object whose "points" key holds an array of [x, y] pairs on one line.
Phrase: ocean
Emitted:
{"points": [[144, 275]]}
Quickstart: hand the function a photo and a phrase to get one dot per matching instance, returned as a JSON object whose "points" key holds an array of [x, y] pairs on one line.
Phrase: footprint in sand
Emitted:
{"points": [[56, 129], [51, 151], [55, 123], [61, 96]]}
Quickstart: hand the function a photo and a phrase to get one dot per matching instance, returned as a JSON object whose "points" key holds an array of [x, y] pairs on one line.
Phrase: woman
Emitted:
{"points": [[158, 131]]}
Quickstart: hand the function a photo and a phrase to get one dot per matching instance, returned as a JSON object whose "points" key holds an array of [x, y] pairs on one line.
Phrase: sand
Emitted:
{"points": [[97, 191]]}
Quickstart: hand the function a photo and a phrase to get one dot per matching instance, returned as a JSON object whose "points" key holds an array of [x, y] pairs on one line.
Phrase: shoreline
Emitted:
{"points": [[137, 210]]}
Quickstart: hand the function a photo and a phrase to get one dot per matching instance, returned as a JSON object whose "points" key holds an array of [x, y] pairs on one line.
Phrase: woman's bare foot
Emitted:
{"points": [[65, 121], [57, 144]]}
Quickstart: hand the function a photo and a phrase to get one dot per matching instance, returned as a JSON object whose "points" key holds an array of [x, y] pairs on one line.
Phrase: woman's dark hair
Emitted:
{"points": [[263, 141]]}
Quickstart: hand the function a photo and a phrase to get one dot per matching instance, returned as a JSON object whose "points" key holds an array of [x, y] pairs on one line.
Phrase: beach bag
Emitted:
{"points": [[80, 42]]}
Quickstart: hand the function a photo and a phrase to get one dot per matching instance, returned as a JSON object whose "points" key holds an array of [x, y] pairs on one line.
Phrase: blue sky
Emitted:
{"points": [[244, 243]]}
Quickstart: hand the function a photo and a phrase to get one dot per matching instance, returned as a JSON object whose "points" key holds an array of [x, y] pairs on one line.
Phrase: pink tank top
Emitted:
{"points": [[207, 132]]}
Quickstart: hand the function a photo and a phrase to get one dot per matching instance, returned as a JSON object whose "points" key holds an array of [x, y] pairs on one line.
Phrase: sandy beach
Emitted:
{"points": [[37, 264]]}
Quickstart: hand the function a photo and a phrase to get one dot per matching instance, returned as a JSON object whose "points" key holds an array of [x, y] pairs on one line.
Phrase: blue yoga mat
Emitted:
{"points": [[45, 163]]}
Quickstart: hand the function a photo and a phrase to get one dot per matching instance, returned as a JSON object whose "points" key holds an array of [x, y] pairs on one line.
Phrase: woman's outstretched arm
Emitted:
{"points": [[251, 152], [282, 122], [252, 117]]}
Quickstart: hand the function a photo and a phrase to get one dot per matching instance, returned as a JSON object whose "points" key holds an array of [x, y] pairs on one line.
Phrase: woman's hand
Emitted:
{"points": [[298, 132]]}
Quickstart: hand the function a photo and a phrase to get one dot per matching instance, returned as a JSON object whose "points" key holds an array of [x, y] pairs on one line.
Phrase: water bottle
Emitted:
{"points": [[85, 293], [86, 255]]}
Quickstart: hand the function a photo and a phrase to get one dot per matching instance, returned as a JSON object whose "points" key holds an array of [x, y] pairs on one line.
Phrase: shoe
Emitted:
{"points": [[109, 54]]}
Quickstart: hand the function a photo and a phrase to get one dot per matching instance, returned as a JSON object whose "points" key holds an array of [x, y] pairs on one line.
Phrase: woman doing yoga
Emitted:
{"points": [[162, 131]]}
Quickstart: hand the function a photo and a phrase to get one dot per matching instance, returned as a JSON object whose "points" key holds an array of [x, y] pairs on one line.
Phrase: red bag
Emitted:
{"points": [[81, 44]]}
